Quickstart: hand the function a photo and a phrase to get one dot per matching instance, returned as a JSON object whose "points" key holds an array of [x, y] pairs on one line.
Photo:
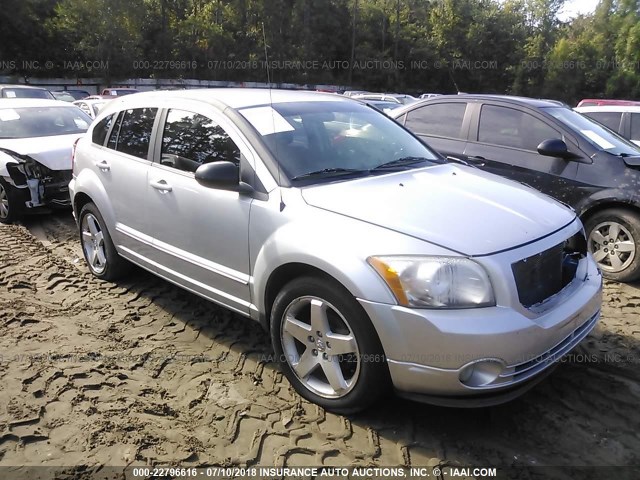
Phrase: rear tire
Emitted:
{"points": [[10, 208], [613, 238], [100, 254], [327, 346]]}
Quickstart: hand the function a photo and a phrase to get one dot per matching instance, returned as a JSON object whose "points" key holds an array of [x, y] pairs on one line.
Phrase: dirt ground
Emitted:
{"points": [[142, 372]]}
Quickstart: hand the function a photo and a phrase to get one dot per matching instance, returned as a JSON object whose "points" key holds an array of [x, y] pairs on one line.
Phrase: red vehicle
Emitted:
{"points": [[593, 102]]}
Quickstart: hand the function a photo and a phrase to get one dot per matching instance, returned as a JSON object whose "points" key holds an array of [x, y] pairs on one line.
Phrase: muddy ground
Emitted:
{"points": [[142, 372]]}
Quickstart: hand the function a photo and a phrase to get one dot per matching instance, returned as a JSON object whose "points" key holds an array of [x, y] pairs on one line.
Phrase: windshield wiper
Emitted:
{"points": [[329, 172], [401, 162]]}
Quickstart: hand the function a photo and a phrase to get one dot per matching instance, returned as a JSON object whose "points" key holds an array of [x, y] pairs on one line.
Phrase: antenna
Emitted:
{"points": [[273, 120]]}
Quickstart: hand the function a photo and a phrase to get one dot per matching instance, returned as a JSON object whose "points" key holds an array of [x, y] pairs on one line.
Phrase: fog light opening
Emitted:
{"points": [[481, 373]]}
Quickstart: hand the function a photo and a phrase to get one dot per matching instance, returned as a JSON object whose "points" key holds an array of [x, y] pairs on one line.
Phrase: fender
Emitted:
{"points": [[329, 242]]}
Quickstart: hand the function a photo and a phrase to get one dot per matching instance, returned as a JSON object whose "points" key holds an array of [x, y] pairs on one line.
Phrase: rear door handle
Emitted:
{"points": [[161, 185], [103, 165]]}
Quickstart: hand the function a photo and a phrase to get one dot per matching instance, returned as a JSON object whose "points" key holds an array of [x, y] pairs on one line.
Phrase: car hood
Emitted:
{"points": [[53, 152], [459, 208]]}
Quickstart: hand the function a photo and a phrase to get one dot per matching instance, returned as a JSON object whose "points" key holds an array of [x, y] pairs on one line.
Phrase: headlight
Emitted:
{"points": [[435, 282]]}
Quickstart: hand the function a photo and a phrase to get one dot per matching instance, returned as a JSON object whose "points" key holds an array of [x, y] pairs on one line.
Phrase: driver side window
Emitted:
{"points": [[190, 140]]}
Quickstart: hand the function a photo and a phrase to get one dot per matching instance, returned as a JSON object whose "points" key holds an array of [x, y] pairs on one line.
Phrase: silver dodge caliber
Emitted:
{"points": [[373, 262]]}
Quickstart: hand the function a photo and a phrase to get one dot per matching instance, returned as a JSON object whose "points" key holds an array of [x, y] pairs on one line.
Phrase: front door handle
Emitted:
{"points": [[161, 185], [103, 165], [477, 160]]}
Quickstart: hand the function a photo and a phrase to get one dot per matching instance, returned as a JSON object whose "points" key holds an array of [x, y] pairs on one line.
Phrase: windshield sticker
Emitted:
{"points": [[10, 94], [597, 139], [9, 114], [266, 120]]}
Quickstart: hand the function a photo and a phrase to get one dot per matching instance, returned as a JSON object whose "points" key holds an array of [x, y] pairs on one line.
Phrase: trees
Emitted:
{"points": [[511, 46]]}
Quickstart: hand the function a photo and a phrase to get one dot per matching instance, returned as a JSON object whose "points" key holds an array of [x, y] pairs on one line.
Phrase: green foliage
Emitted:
{"points": [[506, 46]]}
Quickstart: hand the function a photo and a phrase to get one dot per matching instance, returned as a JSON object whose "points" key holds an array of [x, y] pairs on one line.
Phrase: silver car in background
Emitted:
{"points": [[373, 262]]}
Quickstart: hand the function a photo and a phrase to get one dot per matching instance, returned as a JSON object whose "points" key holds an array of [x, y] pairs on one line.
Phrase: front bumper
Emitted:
{"points": [[431, 353]]}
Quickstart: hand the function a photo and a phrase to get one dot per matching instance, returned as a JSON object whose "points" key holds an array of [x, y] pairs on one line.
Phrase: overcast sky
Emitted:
{"points": [[575, 7]]}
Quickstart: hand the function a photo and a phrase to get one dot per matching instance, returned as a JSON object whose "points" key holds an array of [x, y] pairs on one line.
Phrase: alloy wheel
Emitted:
{"points": [[612, 246], [93, 243], [4, 202], [320, 346]]}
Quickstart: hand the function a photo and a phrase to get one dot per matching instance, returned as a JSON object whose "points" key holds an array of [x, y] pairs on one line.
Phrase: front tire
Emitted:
{"points": [[613, 237], [10, 208], [99, 252], [327, 346]]}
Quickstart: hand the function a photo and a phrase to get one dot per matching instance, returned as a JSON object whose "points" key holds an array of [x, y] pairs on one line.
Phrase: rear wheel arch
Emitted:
{"points": [[79, 201]]}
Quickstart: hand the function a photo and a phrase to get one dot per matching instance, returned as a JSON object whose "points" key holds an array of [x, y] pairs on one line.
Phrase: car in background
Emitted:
{"points": [[63, 96], [77, 94], [387, 97], [546, 145], [382, 105], [36, 140], [91, 106], [351, 93], [24, 91], [118, 92], [592, 102], [622, 119], [370, 260]]}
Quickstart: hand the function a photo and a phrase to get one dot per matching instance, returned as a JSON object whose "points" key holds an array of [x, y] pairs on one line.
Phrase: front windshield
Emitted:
{"points": [[598, 135], [341, 137], [30, 122]]}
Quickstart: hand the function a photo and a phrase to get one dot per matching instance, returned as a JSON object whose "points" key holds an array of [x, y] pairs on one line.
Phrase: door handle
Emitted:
{"points": [[161, 185], [103, 165], [477, 160]]}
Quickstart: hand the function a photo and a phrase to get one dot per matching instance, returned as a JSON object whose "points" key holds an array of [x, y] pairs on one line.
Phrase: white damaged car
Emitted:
{"points": [[36, 140]]}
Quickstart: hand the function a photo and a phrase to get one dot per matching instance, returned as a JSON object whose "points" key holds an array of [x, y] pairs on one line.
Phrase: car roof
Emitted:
{"points": [[609, 108], [512, 99], [235, 98], [31, 87], [32, 102]]}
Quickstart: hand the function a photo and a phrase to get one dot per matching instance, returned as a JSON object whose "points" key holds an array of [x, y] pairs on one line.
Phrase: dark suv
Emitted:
{"points": [[545, 144]]}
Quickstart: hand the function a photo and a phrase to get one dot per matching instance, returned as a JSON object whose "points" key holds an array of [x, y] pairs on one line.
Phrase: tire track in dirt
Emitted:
{"points": [[143, 372]]}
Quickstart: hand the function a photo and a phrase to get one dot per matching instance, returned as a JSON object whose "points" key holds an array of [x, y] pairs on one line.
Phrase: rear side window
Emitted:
{"points": [[190, 140], [513, 128], [635, 126], [133, 134], [101, 130], [441, 120], [608, 119]]}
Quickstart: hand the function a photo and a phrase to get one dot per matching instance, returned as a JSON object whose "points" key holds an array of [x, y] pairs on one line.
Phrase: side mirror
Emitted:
{"points": [[222, 175], [554, 147]]}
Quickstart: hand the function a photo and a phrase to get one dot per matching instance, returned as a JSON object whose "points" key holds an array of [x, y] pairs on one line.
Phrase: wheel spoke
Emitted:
{"points": [[599, 255], [297, 329], [614, 231], [626, 246], [334, 374], [341, 344], [615, 261], [87, 237], [99, 237], [597, 237], [307, 363], [319, 320], [101, 257], [94, 257], [93, 226]]}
